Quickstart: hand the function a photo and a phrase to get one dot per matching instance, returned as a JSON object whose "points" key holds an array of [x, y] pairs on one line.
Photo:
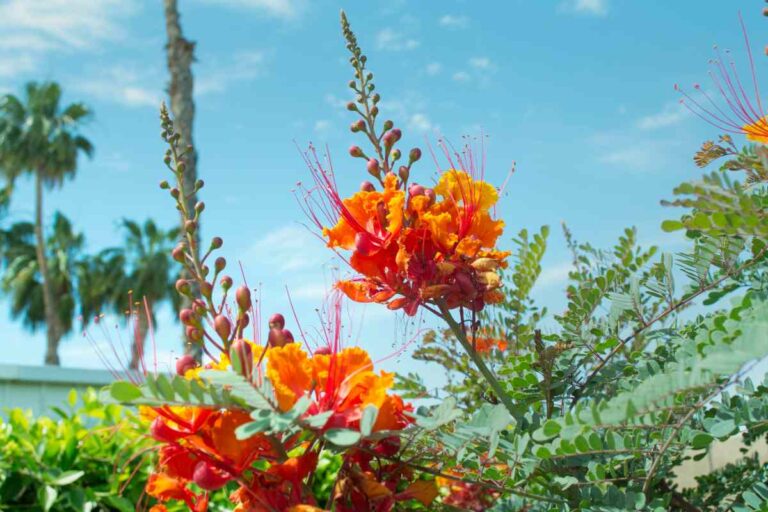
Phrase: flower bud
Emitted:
{"points": [[206, 289], [244, 320], [376, 98], [357, 126], [388, 139], [352, 84], [209, 478], [220, 264], [351, 106], [485, 264], [243, 298], [198, 306], [199, 207], [356, 152], [178, 253], [373, 167], [187, 317], [175, 193], [182, 286], [414, 155], [184, 364], [374, 111], [395, 155], [217, 242], [190, 226], [279, 337], [164, 185], [181, 167], [226, 283], [466, 285], [403, 172], [241, 354], [222, 326], [388, 124], [167, 160], [288, 335], [199, 184], [367, 186], [194, 334], [416, 190], [276, 321]]}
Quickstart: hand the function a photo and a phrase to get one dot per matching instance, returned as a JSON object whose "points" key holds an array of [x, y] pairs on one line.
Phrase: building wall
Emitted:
{"points": [[37, 388]]}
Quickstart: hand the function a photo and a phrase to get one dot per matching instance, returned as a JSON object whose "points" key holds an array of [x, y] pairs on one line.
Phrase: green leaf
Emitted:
{"points": [[722, 428], [701, 440], [551, 428], [164, 388], [67, 477], [342, 437], [123, 391], [671, 225], [368, 419], [46, 496], [318, 420]]}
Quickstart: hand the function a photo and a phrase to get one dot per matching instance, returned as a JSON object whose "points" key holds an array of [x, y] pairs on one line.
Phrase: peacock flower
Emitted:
{"points": [[424, 246], [740, 114]]}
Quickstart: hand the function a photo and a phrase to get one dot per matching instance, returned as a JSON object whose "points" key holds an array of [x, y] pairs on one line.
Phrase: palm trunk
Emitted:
{"points": [[139, 340], [52, 330], [180, 59]]}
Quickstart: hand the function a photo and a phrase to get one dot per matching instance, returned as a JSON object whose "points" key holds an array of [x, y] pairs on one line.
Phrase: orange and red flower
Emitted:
{"points": [[424, 246]]}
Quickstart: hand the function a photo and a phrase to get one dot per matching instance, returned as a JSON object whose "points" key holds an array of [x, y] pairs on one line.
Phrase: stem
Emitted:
{"points": [[461, 335]]}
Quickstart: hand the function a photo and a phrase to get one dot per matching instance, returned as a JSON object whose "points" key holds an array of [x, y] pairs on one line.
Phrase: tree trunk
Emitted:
{"points": [[141, 328], [52, 329], [180, 59]]}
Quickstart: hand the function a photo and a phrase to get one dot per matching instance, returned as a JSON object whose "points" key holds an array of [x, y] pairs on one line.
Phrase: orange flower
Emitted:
{"points": [[401, 244], [290, 372]]}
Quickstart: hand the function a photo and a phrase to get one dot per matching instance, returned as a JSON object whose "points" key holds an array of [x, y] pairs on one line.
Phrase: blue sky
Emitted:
{"points": [[579, 93]]}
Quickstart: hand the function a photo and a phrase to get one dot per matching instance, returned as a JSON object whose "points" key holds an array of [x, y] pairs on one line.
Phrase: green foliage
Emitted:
{"points": [[79, 460]]}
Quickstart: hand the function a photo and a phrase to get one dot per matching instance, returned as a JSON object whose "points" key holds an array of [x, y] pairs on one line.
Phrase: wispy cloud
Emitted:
{"points": [[434, 68], [633, 151], [420, 122], [598, 8], [555, 275], [285, 9], [479, 69], [287, 249], [392, 40], [452, 21], [322, 126], [32, 29], [671, 114], [122, 84], [217, 77]]}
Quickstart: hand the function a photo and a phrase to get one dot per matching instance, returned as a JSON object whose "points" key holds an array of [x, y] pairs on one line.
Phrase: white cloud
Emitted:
{"points": [[33, 28], [122, 84], [461, 76], [434, 68], [309, 291], [389, 39], [218, 77], [481, 63], [671, 114], [336, 102], [452, 21], [597, 8], [634, 152], [322, 126], [285, 9], [288, 249], [421, 123], [555, 275]]}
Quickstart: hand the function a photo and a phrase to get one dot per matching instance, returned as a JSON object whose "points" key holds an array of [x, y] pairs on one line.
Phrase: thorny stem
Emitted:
{"points": [[672, 308], [461, 335]]}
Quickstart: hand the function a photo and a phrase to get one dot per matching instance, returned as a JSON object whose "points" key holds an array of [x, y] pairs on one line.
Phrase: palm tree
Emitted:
{"points": [[40, 138], [141, 271], [22, 278]]}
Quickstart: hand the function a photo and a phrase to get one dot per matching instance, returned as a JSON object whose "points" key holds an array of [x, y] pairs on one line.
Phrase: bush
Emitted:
{"points": [[86, 458]]}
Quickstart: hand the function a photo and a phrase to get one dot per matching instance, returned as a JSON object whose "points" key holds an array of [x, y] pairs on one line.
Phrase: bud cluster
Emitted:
{"points": [[366, 105], [208, 321]]}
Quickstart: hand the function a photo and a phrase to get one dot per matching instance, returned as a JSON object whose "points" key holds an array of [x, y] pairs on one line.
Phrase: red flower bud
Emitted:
{"points": [[351, 106], [206, 289], [276, 321], [220, 264], [209, 478], [243, 298], [414, 155], [288, 336], [226, 282], [194, 334], [244, 320], [367, 186], [222, 326], [396, 133], [217, 242], [178, 253], [373, 167], [403, 172], [185, 363], [355, 151], [187, 317], [241, 354], [416, 190], [190, 226]]}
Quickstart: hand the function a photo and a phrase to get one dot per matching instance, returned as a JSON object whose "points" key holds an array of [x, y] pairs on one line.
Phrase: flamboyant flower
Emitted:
{"points": [[420, 246], [742, 112]]}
